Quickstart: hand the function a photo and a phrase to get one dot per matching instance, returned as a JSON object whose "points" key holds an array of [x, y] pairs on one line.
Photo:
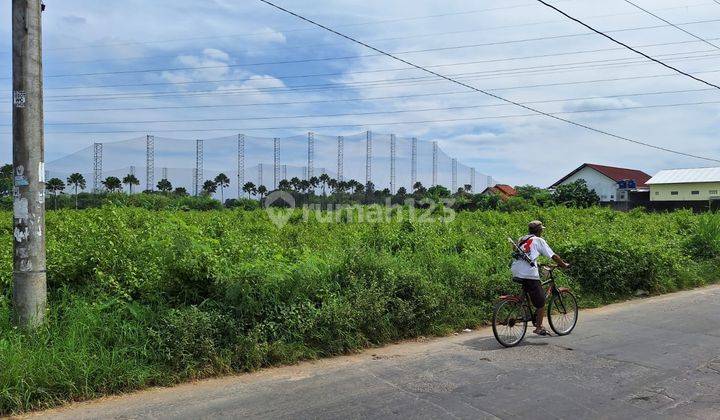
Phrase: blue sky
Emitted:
{"points": [[216, 45]]}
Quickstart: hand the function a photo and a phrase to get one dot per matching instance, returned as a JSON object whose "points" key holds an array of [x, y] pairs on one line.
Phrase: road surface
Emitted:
{"points": [[650, 358]]}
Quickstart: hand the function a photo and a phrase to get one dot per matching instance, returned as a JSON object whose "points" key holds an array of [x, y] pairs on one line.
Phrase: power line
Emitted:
{"points": [[385, 83], [376, 22], [624, 45], [673, 25], [310, 127], [629, 60], [485, 92], [362, 99], [423, 35], [349, 57], [402, 111]]}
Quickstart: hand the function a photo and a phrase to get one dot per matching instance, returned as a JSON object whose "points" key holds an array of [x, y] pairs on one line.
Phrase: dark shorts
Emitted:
{"points": [[534, 289]]}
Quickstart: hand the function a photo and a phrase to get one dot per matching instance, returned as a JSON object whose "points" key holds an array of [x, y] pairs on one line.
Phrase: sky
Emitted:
{"points": [[206, 69]]}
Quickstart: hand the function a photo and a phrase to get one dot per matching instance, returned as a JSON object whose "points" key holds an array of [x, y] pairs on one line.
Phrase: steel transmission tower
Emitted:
{"points": [[413, 162], [310, 154], [276, 161], [150, 163], [434, 163], [392, 163], [284, 172], [240, 163], [260, 174], [368, 157], [97, 166], [340, 158], [199, 172], [454, 176]]}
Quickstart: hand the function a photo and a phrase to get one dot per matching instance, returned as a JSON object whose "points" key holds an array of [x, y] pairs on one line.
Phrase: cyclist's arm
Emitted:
{"points": [[560, 262]]}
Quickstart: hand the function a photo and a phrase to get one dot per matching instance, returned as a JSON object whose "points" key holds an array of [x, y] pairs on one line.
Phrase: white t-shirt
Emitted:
{"points": [[533, 248]]}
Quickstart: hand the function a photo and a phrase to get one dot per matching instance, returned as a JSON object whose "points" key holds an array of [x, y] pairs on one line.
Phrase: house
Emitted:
{"points": [[609, 182], [698, 184], [503, 190]]}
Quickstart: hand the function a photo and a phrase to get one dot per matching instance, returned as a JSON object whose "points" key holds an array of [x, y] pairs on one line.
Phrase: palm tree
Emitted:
{"points": [[359, 188], [77, 181], [284, 185], [164, 185], [112, 183], [55, 185], [249, 188], [222, 181], [417, 186], [313, 183], [305, 188], [209, 187], [262, 190], [180, 191], [295, 182], [333, 184], [324, 179], [130, 180]]}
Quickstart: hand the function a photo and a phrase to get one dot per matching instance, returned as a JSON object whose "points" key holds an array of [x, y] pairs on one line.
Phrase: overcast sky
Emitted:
{"points": [[492, 45]]}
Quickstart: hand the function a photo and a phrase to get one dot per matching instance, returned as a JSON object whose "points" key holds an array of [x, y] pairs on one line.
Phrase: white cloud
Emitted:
{"points": [[214, 34]]}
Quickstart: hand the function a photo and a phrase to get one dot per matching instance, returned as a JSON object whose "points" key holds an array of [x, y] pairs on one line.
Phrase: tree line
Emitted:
{"points": [[324, 189]]}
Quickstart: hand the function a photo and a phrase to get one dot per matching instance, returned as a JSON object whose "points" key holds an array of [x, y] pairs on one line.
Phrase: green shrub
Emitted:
{"points": [[140, 296]]}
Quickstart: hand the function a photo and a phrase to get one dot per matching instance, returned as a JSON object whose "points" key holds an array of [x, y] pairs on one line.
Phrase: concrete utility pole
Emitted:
{"points": [[29, 282]]}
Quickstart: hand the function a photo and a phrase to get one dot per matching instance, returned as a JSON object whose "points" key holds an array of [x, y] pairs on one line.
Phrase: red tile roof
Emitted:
{"points": [[506, 189], [503, 190], [614, 173]]}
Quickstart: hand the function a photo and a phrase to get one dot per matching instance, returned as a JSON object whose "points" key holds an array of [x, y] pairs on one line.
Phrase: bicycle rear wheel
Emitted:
{"points": [[563, 312], [509, 323]]}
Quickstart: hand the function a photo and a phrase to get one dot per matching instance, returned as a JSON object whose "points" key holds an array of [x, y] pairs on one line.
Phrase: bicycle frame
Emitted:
{"points": [[552, 289]]}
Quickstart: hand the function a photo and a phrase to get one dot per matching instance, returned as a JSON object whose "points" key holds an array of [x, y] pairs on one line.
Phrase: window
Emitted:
{"points": [[695, 192], [713, 192], [657, 192], [612, 197], [673, 193]]}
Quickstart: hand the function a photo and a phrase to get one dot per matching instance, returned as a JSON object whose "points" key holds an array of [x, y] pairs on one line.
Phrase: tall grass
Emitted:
{"points": [[140, 297]]}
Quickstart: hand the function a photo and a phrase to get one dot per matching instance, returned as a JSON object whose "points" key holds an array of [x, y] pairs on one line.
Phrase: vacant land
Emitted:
{"points": [[142, 298], [623, 361]]}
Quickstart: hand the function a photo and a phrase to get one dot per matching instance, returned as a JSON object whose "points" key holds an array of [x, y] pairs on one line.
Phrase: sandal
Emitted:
{"points": [[541, 331]]}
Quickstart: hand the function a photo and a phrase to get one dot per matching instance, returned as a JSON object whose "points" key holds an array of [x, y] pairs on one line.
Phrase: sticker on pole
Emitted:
{"points": [[19, 98]]}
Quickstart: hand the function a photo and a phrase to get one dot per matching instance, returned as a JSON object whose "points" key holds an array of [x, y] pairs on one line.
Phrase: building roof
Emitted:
{"points": [[506, 189], [612, 172], [500, 189], [681, 176]]}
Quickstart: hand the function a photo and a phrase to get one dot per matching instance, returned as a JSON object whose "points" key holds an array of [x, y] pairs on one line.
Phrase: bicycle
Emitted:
{"points": [[512, 312]]}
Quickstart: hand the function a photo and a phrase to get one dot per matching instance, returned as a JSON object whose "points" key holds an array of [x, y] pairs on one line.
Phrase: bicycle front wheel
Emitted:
{"points": [[509, 323], [563, 312]]}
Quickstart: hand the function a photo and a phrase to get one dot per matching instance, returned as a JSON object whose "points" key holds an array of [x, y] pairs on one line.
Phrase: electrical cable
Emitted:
{"points": [[625, 45], [673, 25], [385, 83], [356, 114], [629, 60], [348, 57], [488, 93]]}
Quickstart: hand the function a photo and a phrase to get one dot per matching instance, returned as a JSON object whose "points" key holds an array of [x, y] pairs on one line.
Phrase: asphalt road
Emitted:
{"points": [[651, 358]]}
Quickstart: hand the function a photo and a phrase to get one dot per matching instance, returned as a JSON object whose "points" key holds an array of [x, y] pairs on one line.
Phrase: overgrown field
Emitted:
{"points": [[140, 298]]}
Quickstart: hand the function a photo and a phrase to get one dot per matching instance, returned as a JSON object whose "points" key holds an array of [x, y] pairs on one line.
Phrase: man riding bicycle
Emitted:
{"points": [[525, 269]]}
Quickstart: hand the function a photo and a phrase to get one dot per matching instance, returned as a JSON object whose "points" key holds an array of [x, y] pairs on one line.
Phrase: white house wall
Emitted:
{"points": [[605, 187]]}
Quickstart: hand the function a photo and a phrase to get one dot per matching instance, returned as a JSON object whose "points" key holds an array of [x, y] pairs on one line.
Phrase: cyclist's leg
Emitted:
{"points": [[534, 290]]}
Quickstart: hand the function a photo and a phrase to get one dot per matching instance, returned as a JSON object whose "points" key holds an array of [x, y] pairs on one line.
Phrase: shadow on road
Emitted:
{"points": [[489, 343]]}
